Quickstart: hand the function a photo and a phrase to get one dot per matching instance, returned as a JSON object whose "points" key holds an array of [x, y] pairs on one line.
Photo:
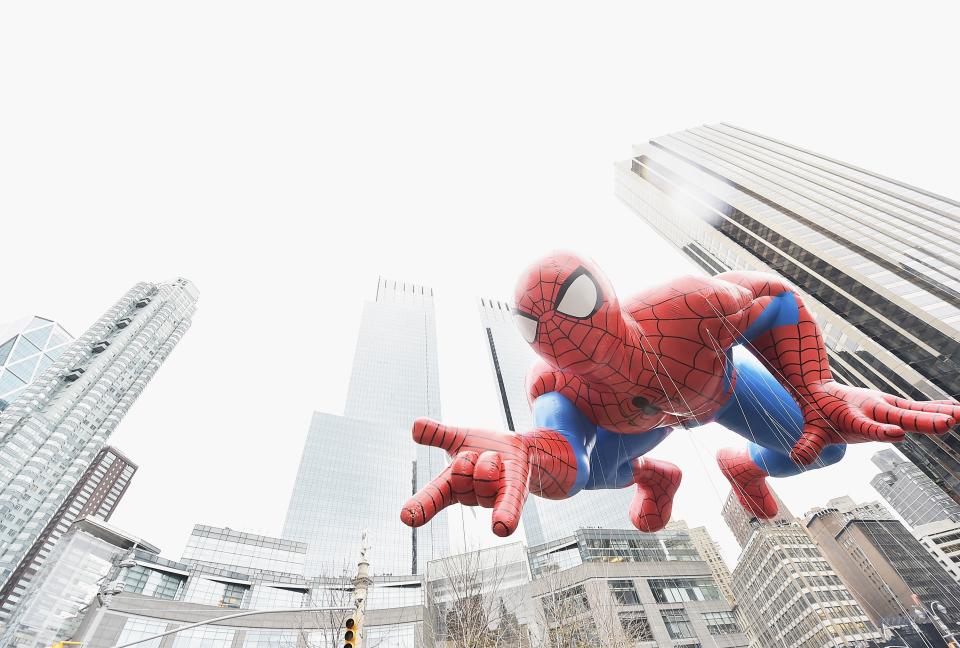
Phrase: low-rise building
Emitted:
{"points": [[54, 604], [624, 588]]}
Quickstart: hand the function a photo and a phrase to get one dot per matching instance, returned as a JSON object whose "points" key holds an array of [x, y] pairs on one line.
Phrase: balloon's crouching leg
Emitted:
{"points": [[657, 481], [748, 481]]}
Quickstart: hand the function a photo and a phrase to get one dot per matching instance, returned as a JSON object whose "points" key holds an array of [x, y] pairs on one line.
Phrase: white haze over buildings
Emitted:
{"points": [[284, 155]]}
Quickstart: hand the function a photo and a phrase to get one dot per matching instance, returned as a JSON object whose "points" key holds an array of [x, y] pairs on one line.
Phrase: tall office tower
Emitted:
{"points": [[709, 552], [27, 347], [789, 596], [96, 494], [357, 470], [881, 562], [875, 259], [544, 520], [743, 523], [910, 492], [52, 432], [941, 539]]}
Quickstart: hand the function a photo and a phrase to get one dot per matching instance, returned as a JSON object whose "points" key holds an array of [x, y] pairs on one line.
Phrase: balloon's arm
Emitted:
{"points": [[553, 411], [497, 470]]}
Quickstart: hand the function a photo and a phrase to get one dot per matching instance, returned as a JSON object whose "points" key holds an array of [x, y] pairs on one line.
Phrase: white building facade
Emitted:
{"points": [[56, 426], [357, 470]]}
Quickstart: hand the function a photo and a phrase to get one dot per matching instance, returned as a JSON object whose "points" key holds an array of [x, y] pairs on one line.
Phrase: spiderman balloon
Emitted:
{"points": [[739, 349]]}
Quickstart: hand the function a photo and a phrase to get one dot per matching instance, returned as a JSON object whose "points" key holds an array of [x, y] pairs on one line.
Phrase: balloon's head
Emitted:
{"points": [[567, 310]]}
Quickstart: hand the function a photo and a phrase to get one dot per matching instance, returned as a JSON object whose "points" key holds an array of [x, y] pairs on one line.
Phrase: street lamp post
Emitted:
{"points": [[943, 628]]}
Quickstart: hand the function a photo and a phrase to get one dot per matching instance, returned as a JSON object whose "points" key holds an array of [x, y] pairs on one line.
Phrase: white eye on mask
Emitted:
{"points": [[579, 296], [527, 325]]}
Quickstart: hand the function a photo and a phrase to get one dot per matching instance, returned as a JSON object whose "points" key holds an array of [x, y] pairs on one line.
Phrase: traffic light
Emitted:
{"points": [[351, 630]]}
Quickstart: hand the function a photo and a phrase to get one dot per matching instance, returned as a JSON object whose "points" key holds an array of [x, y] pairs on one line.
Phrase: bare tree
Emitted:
{"points": [[473, 603], [325, 629], [576, 615]]}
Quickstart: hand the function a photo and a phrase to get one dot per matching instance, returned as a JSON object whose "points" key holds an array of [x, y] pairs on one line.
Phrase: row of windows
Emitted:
{"points": [[678, 590]]}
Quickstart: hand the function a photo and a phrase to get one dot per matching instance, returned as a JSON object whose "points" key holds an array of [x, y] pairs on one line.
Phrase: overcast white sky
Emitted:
{"points": [[283, 155]]}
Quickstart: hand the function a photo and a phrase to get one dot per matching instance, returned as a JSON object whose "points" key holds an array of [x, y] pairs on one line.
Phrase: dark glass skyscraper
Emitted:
{"points": [[877, 260]]}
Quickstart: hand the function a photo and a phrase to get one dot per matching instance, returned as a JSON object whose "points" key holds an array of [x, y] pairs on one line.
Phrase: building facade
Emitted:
{"points": [[357, 470], [27, 347], [942, 541], [875, 259], [145, 594], [911, 493], [481, 598], [96, 494], [789, 596], [881, 562], [544, 520], [54, 429], [709, 552], [615, 587], [54, 605]]}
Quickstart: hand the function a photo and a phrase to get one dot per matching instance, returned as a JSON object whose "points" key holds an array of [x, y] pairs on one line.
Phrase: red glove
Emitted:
{"points": [[491, 469], [835, 413]]}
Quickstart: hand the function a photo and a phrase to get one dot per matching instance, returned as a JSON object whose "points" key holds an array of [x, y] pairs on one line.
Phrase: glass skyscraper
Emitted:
{"points": [[877, 260], [55, 428], [27, 347], [357, 470], [544, 520]]}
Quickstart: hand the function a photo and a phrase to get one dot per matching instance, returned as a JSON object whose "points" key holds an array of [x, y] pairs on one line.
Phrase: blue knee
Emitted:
{"points": [[830, 455]]}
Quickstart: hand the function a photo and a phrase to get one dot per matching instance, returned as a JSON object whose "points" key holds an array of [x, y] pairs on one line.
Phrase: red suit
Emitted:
{"points": [[615, 379]]}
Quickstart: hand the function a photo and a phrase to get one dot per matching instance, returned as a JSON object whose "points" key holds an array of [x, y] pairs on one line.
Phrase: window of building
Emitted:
{"points": [[678, 624], [270, 639], [207, 637], [566, 603], [636, 626], [721, 623], [151, 582], [624, 592], [135, 628], [678, 590]]}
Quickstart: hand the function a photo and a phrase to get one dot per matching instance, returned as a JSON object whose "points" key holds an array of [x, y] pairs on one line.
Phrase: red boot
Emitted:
{"points": [[657, 481], [748, 481]]}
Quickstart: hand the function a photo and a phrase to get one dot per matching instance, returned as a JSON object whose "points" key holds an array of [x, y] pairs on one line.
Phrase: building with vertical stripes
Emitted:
{"points": [[877, 260]]}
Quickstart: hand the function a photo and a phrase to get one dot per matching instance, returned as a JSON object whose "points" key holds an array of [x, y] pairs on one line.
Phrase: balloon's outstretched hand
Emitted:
{"points": [[492, 469], [836, 413]]}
